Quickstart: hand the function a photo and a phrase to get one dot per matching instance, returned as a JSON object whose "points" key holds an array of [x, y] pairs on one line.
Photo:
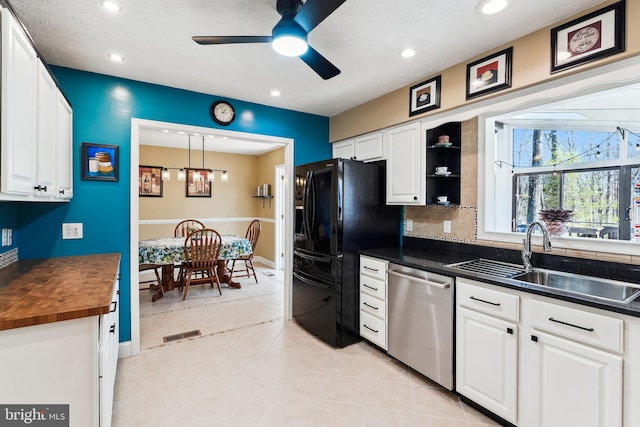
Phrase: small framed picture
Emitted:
{"points": [[198, 182], [593, 36], [425, 96], [99, 162], [150, 181], [489, 74]]}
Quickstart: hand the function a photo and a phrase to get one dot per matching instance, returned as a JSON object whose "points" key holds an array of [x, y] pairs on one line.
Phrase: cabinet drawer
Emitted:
{"points": [[583, 326], [373, 329], [373, 306], [375, 287], [372, 267], [489, 301]]}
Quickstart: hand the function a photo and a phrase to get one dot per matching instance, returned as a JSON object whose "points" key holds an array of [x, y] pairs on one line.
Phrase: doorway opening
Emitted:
{"points": [[138, 127]]}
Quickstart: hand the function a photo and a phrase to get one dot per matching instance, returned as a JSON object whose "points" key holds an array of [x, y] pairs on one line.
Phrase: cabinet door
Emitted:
{"points": [[487, 362], [369, 147], [18, 123], [46, 133], [343, 149], [405, 165], [64, 144], [575, 385]]}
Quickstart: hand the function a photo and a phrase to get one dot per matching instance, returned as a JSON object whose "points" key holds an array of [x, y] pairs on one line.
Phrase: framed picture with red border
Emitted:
{"points": [[489, 74], [591, 37]]}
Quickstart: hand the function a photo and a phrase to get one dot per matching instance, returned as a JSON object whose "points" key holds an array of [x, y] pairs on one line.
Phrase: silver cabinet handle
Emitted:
{"points": [[373, 330], [375, 270], [419, 280]]}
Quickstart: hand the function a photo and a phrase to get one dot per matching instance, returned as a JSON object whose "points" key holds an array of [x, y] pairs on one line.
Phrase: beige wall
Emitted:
{"points": [[228, 202], [531, 65]]}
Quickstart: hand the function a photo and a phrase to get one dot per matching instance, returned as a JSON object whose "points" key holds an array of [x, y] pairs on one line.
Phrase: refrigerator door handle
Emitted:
{"points": [[310, 282], [307, 205], [323, 258]]}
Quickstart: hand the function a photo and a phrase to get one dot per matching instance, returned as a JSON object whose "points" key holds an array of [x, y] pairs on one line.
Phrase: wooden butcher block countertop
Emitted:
{"points": [[38, 291]]}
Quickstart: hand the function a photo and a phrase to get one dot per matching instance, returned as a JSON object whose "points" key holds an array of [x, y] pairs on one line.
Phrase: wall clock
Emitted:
{"points": [[223, 113]]}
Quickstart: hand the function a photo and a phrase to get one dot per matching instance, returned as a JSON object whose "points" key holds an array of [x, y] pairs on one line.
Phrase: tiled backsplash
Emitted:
{"points": [[8, 257]]}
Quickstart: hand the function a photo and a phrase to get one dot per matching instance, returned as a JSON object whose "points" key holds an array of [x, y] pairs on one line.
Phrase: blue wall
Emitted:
{"points": [[103, 107]]}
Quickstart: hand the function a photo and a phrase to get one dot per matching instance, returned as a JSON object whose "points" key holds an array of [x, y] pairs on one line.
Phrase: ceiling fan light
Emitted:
{"points": [[288, 45]]}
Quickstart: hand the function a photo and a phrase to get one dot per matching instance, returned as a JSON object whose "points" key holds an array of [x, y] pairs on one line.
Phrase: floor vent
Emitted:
{"points": [[182, 335], [269, 274]]}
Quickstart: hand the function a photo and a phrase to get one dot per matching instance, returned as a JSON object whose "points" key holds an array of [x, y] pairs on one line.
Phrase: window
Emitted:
{"points": [[593, 173]]}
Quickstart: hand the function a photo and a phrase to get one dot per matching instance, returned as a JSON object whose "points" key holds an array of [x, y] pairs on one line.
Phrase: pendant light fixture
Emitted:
{"points": [[182, 174]]}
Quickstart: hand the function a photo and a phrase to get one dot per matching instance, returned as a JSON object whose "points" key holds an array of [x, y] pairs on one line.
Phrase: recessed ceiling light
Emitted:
{"points": [[275, 93], [408, 53], [109, 5], [115, 57], [491, 7]]}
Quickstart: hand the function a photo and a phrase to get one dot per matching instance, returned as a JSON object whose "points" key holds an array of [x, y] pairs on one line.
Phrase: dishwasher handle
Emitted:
{"points": [[420, 280]]}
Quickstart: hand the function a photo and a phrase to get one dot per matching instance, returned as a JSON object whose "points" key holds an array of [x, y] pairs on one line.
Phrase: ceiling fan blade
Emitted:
{"points": [[314, 12], [231, 39], [319, 64]]}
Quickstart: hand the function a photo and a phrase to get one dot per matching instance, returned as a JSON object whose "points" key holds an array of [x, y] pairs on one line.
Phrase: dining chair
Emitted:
{"points": [[253, 233], [187, 226], [201, 251], [183, 228]]}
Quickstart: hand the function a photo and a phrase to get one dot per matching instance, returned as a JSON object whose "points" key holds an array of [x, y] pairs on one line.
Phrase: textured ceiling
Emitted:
{"points": [[362, 37]]}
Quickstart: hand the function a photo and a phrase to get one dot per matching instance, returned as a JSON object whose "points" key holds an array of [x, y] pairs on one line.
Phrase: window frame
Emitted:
{"points": [[610, 76]]}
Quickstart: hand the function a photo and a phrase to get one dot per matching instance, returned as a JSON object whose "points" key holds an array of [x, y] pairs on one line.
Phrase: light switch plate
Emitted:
{"points": [[5, 237], [409, 226], [447, 226], [72, 230]]}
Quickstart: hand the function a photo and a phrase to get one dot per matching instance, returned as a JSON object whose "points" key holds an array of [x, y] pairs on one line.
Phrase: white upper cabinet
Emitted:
{"points": [[19, 109], [343, 149], [365, 148], [35, 121], [46, 133], [406, 163], [369, 147], [64, 147]]}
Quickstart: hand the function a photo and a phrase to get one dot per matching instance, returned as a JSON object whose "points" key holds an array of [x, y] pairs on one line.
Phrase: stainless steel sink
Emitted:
{"points": [[605, 289]]}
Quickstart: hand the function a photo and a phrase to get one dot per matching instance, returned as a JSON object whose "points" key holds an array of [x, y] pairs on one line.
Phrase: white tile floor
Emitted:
{"points": [[252, 368]]}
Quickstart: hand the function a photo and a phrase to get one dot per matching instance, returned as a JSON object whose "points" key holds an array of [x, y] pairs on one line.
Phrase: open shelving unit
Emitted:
{"points": [[449, 156]]}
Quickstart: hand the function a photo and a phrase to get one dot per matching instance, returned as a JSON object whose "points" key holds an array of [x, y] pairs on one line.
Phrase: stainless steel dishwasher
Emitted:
{"points": [[421, 322]]}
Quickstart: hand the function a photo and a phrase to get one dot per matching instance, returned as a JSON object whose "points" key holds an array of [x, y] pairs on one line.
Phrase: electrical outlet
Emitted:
{"points": [[447, 226], [72, 230], [409, 225]]}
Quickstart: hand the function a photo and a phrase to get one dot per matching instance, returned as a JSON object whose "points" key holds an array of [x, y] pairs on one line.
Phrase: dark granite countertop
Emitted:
{"points": [[434, 256]]}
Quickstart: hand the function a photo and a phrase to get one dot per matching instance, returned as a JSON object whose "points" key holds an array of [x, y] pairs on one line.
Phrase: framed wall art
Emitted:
{"points": [[425, 96], [593, 36], [99, 162], [198, 183], [489, 74], [150, 181]]}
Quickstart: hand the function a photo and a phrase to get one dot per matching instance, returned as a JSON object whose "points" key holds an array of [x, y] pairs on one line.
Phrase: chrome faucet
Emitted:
{"points": [[526, 249]]}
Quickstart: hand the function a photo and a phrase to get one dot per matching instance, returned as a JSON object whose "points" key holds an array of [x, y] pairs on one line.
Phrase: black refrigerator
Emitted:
{"points": [[340, 209]]}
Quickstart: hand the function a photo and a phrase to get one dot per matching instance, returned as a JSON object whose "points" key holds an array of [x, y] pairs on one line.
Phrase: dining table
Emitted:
{"points": [[169, 251]]}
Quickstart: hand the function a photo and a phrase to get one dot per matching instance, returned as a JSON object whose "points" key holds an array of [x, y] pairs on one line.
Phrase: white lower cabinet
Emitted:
{"points": [[541, 362], [487, 349], [574, 384], [70, 362], [373, 300]]}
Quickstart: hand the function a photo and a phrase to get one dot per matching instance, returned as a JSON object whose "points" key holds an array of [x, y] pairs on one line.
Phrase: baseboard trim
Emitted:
{"points": [[124, 350]]}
